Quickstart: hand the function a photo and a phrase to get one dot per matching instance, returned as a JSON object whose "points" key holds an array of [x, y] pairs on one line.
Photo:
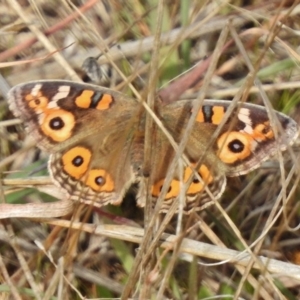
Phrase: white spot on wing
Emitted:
{"points": [[36, 89], [52, 105], [243, 116], [63, 92]]}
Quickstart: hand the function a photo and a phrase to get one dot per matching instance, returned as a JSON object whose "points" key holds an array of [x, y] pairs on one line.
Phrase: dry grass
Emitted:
{"points": [[245, 247]]}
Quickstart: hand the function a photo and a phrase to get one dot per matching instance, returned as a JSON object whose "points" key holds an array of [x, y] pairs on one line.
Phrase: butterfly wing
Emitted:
{"points": [[205, 181], [247, 138], [88, 130], [98, 173]]}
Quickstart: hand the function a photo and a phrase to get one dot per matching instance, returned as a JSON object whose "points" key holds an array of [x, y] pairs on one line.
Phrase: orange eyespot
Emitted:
{"points": [[263, 131], [38, 102], [172, 192], [57, 124], [76, 161], [99, 180], [234, 146]]}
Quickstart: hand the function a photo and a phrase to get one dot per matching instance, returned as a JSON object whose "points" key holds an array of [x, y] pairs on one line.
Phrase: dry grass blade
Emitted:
{"points": [[188, 246]]}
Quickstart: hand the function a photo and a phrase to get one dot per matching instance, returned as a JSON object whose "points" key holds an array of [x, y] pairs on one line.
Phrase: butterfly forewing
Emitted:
{"points": [[60, 113]]}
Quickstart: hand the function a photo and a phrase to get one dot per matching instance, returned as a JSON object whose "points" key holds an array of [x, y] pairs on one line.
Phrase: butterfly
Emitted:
{"points": [[96, 139]]}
